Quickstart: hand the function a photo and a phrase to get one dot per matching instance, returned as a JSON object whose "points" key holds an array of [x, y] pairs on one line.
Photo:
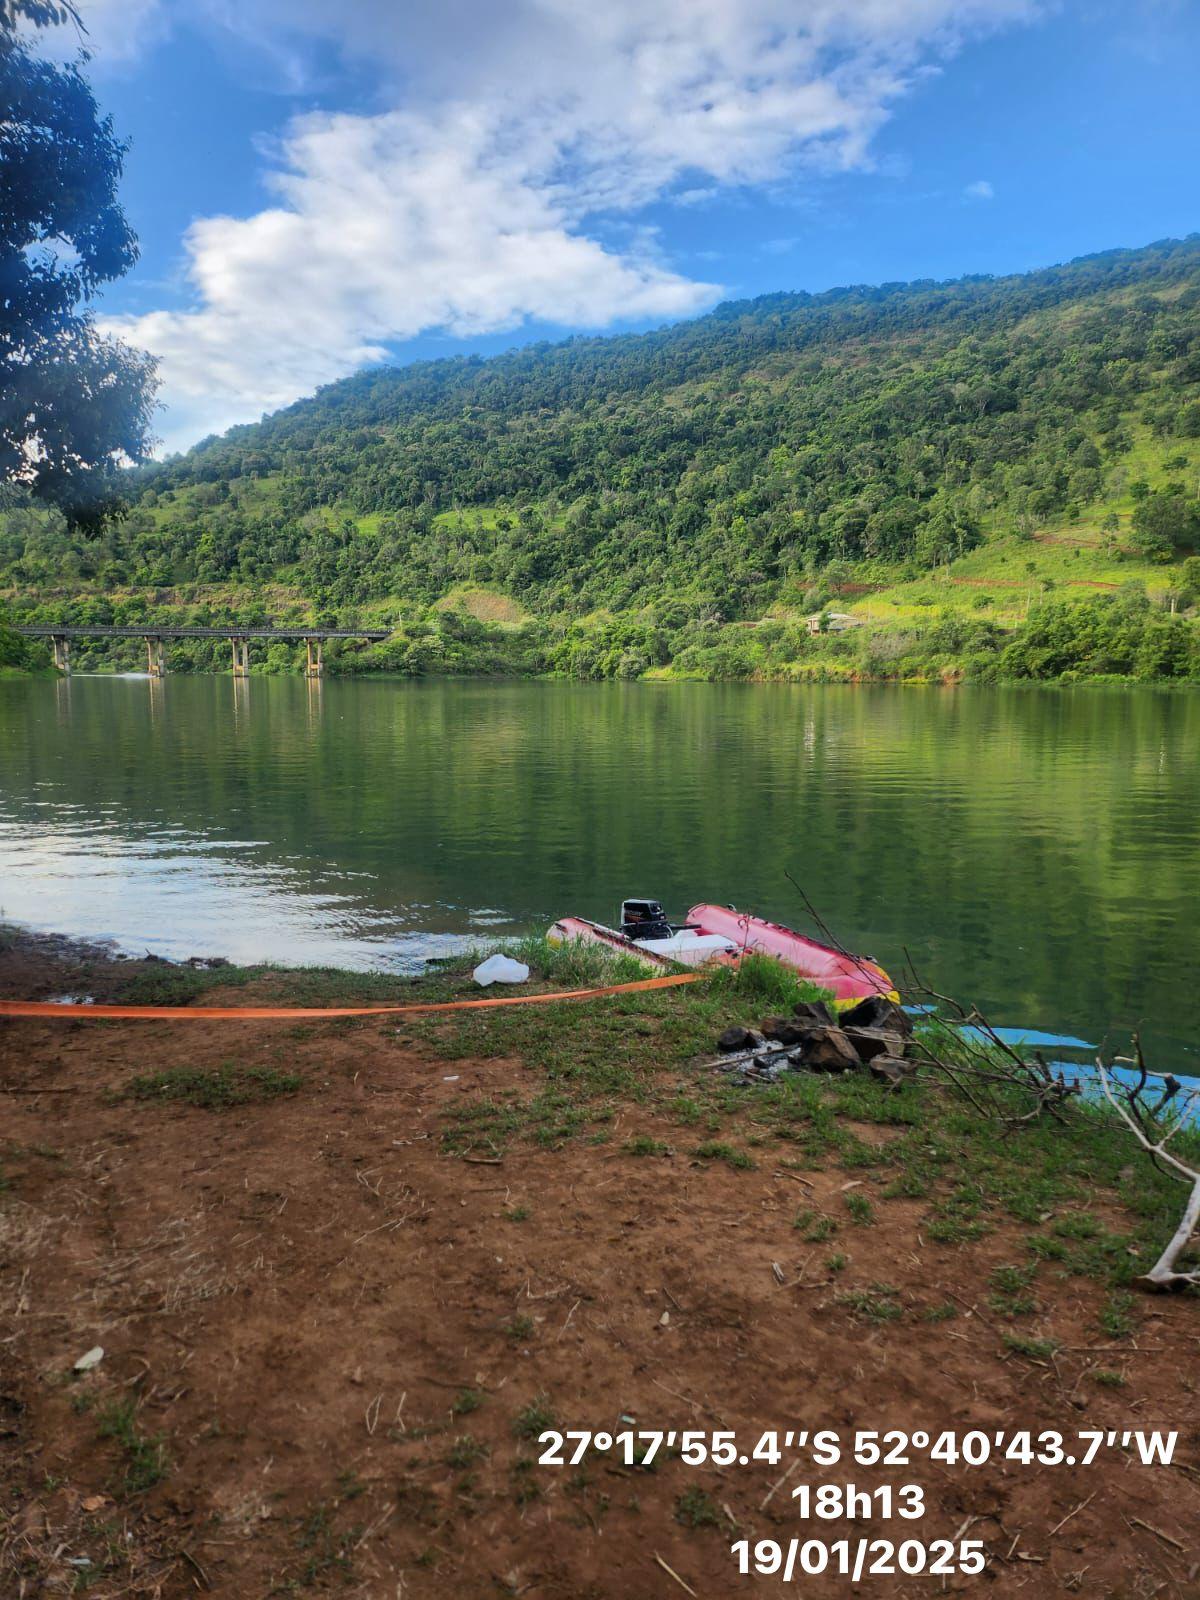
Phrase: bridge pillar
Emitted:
{"points": [[241, 658], [62, 652], [156, 658], [315, 666]]}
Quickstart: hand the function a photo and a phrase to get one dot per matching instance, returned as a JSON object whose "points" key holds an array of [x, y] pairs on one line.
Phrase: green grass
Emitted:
{"points": [[534, 1419], [717, 1150], [1119, 1318], [1035, 1349], [814, 1226], [695, 1509], [464, 1452], [328, 1550], [643, 1145], [1010, 1295], [860, 1208], [215, 1088], [877, 1304], [145, 1456]]}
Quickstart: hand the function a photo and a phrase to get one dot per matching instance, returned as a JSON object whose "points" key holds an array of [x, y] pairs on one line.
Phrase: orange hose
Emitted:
{"points": [[55, 1009]]}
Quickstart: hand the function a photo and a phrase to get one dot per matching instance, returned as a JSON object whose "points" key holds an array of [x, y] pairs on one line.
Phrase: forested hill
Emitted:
{"points": [[718, 467]]}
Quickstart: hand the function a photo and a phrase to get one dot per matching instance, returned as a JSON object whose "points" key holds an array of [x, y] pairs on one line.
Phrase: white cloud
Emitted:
{"points": [[981, 189], [115, 32], [476, 204]]}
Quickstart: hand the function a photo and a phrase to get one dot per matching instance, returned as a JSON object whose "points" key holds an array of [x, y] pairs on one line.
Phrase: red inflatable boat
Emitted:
{"points": [[850, 978], [719, 933]]}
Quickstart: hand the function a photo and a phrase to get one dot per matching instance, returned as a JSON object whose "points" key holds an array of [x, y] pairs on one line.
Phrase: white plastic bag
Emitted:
{"points": [[500, 969]]}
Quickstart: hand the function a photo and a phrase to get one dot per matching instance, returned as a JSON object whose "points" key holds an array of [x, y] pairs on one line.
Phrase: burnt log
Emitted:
{"points": [[872, 1042], [825, 1050], [878, 1012], [738, 1038], [813, 1014], [783, 1030]]}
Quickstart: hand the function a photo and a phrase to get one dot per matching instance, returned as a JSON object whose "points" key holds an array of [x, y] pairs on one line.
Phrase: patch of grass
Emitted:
{"points": [[946, 1312], [163, 984], [879, 1303], [766, 983], [952, 1224], [328, 1550], [464, 1452], [215, 1088], [517, 1214], [715, 1150], [1118, 1318], [908, 1186], [145, 1454], [1108, 1379], [519, 1328], [695, 1509], [575, 964], [860, 1208], [466, 1401], [814, 1226], [1010, 1296], [1035, 1349], [525, 1486], [644, 1145], [534, 1419], [836, 1262]]}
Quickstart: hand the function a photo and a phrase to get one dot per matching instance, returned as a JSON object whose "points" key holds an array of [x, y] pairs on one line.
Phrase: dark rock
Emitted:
{"points": [[826, 1050], [872, 1042], [878, 1013], [813, 1014], [783, 1030], [892, 1069], [737, 1038]]}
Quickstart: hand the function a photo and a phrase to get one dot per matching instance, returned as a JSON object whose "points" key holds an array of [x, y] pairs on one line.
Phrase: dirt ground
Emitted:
{"points": [[326, 1337]]}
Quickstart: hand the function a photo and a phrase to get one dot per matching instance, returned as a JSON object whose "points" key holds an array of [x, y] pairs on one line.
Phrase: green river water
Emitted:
{"points": [[1035, 850]]}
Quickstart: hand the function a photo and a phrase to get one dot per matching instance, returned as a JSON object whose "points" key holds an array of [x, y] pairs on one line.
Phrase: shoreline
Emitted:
{"points": [[818, 677]]}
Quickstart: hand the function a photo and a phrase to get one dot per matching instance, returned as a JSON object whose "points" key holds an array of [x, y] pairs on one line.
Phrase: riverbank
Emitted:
{"points": [[908, 633], [344, 1272]]}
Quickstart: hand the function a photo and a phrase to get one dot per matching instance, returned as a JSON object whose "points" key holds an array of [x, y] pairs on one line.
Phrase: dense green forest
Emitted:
{"points": [[679, 500]]}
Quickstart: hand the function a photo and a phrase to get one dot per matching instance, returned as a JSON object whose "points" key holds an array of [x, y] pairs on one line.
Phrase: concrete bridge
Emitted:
{"points": [[61, 635]]}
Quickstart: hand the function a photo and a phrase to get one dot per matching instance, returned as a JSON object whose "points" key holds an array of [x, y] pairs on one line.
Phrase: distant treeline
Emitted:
{"points": [[1121, 635]]}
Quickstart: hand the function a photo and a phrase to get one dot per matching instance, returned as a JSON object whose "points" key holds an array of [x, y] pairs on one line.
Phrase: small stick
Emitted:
{"points": [[695, 1403], [1136, 1522], [191, 1560], [1070, 1514], [672, 1573], [778, 1484]]}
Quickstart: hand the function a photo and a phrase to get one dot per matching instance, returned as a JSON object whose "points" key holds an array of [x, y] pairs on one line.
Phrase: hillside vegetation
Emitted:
{"points": [[997, 476]]}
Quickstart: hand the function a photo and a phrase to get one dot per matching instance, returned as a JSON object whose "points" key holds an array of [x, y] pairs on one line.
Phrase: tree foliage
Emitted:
{"points": [[716, 459], [646, 497], [74, 406]]}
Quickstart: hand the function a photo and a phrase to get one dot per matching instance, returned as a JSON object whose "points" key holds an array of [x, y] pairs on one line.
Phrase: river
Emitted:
{"points": [[1034, 850]]}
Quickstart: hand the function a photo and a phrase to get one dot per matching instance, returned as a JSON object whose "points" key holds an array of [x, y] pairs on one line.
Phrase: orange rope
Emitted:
{"points": [[58, 1010]]}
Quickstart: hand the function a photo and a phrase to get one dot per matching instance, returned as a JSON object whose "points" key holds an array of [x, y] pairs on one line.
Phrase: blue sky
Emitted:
{"points": [[317, 187]]}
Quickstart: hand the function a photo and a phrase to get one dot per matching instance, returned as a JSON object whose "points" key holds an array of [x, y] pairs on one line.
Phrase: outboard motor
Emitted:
{"points": [[644, 919]]}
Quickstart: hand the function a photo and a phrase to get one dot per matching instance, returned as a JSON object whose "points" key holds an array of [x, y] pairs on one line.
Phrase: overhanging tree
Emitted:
{"points": [[74, 405]]}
